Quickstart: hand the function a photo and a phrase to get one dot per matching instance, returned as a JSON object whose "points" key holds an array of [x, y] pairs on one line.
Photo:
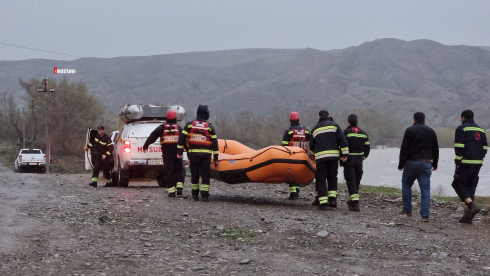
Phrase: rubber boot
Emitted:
{"points": [[179, 192], [205, 196], [171, 194], [93, 184], [332, 202], [473, 210], [354, 206], [294, 196], [316, 202], [325, 207]]}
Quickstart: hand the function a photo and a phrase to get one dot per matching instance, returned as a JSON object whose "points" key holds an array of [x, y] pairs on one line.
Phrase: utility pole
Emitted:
{"points": [[48, 141], [32, 123], [23, 128]]}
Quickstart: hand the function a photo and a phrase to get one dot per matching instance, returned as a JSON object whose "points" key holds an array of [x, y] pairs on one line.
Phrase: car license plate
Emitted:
{"points": [[32, 164], [155, 162]]}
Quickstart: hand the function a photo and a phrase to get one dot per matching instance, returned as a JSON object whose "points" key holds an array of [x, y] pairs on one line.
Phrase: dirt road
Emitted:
{"points": [[58, 225]]}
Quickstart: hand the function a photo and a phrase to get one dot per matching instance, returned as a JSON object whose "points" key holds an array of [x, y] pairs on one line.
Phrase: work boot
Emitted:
{"points": [[294, 196], [316, 202], [325, 207], [195, 197], [405, 213], [332, 202], [354, 206], [108, 185], [473, 210], [171, 194], [205, 198], [93, 184], [465, 219], [425, 219], [179, 192]]}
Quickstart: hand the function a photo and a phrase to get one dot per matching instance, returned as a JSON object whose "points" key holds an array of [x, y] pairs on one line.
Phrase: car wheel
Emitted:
{"points": [[123, 178], [115, 178]]}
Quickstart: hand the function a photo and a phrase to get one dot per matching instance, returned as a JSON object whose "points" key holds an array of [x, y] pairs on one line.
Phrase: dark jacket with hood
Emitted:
{"points": [[358, 141], [419, 143], [101, 145], [328, 140], [202, 116], [470, 143]]}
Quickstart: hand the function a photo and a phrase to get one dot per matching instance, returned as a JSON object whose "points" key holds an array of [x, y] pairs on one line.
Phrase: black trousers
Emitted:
{"points": [[99, 165], [465, 181], [172, 170], [353, 175], [326, 171], [200, 165]]}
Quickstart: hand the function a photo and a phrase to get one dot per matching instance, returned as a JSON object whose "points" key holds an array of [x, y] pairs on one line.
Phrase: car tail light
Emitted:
{"points": [[127, 146], [20, 158], [44, 158]]}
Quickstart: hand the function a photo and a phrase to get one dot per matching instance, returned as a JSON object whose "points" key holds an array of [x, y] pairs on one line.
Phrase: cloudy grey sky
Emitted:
{"points": [[110, 28]]}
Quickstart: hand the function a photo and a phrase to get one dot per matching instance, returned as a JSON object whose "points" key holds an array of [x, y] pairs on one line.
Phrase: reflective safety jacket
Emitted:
{"points": [[200, 137], [102, 145], [328, 141], [169, 137], [470, 143], [296, 136], [358, 141]]}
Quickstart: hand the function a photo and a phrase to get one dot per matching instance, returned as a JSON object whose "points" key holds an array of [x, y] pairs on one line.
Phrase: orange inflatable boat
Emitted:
{"points": [[275, 164]]}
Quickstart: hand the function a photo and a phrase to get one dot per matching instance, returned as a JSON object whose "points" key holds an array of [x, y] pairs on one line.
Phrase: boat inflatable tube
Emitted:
{"points": [[275, 164]]}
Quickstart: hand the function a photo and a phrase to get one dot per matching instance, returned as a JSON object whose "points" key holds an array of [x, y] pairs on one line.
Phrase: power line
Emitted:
{"points": [[12, 45]]}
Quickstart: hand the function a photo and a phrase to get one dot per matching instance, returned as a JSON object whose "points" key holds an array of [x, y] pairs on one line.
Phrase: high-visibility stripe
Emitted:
{"points": [[357, 135], [316, 193], [195, 186], [204, 187], [345, 150], [180, 185], [110, 144], [96, 140], [307, 131], [327, 152], [171, 190], [290, 132], [102, 143], [189, 126], [332, 193], [185, 132], [108, 153], [95, 179], [459, 157], [210, 129], [354, 197], [179, 146], [324, 130], [473, 129], [285, 142], [214, 136], [293, 189], [458, 145], [200, 150], [367, 143], [475, 162], [90, 145], [323, 199], [485, 147], [108, 181], [355, 153]]}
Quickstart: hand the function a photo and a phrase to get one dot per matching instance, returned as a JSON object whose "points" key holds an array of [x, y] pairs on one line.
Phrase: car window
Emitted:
{"points": [[142, 130], [125, 131], [31, 152]]}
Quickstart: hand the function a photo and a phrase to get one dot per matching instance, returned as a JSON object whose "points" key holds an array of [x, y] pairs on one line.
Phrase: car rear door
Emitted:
{"points": [[137, 135]]}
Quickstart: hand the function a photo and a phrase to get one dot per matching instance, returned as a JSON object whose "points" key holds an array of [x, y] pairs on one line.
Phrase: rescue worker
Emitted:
{"points": [[172, 166], [470, 145], [358, 142], [295, 136], [202, 141], [101, 153], [328, 144]]}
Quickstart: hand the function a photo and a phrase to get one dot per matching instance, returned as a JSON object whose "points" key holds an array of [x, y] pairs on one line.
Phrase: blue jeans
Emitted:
{"points": [[421, 171]]}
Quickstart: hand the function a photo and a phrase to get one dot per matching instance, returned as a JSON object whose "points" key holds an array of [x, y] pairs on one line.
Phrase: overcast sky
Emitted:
{"points": [[112, 28]]}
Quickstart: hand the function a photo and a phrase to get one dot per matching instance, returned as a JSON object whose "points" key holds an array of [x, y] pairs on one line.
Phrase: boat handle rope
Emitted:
{"points": [[251, 158]]}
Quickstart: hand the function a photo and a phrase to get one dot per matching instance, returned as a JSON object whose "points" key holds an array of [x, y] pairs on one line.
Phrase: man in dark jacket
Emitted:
{"points": [[172, 166], [328, 144], [295, 136], [470, 145], [419, 155], [101, 150], [359, 148], [203, 142]]}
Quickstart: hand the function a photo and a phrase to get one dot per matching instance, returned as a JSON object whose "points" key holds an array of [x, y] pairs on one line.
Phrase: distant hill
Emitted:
{"points": [[397, 77]]}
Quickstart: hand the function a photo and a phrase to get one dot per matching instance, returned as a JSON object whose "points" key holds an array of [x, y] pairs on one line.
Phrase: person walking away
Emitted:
{"points": [[172, 165], [419, 155], [470, 145], [358, 142], [203, 142], [101, 153], [328, 144], [295, 136]]}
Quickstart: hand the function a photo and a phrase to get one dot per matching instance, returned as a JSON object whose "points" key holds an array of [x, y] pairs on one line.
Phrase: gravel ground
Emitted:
{"points": [[58, 225]]}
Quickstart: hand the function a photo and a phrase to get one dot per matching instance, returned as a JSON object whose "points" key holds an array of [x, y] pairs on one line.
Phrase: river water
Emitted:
{"points": [[381, 169]]}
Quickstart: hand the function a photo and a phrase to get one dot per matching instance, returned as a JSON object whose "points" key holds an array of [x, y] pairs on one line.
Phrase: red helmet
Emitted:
{"points": [[294, 116], [171, 114]]}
